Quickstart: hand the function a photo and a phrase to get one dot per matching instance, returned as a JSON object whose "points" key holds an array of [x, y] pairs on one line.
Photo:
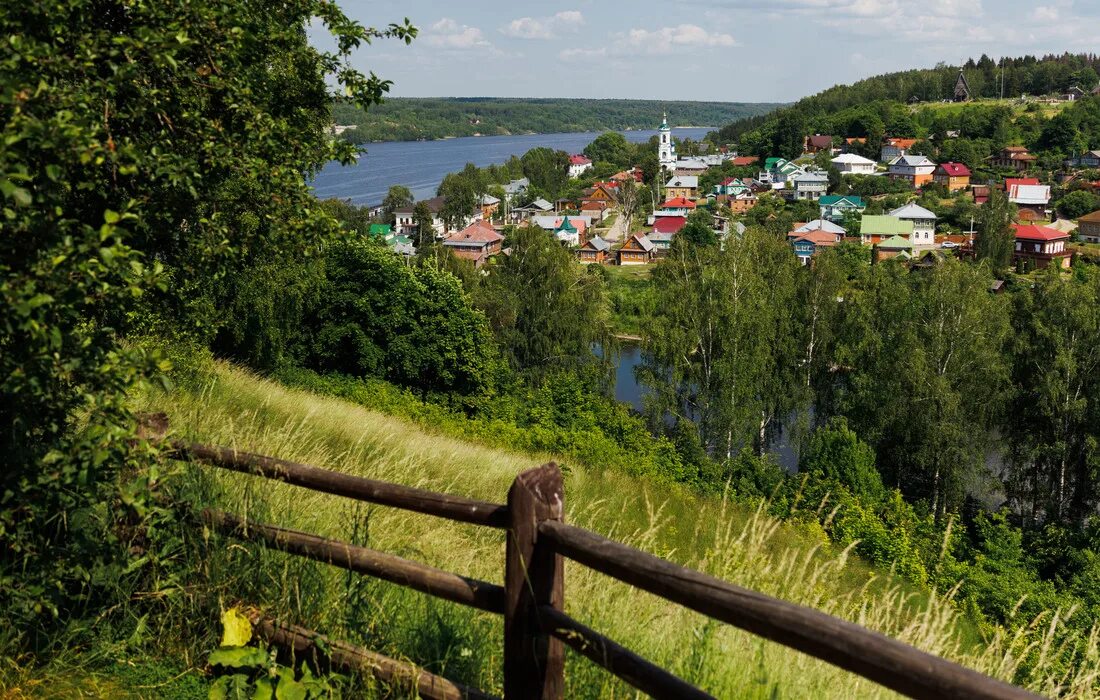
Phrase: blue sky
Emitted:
{"points": [[728, 50]]}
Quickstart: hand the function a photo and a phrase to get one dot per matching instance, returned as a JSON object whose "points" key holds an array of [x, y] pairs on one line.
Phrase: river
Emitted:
{"points": [[421, 165]]}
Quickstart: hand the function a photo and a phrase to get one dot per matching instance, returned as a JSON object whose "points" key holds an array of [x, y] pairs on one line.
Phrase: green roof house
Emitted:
{"points": [[875, 229], [834, 206], [894, 247]]}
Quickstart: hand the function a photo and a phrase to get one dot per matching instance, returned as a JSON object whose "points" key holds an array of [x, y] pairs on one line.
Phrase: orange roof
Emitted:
{"points": [[817, 237], [678, 203], [901, 143], [479, 231], [1094, 217]]}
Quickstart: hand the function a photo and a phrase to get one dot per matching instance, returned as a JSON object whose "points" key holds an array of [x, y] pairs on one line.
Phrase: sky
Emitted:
{"points": [[722, 50]]}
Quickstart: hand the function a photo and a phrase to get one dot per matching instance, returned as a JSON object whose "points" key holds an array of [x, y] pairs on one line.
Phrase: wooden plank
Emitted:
{"points": [[442, 584], [886, 661], [534, 662], [632, 668], [464, 510], [304, 642]]}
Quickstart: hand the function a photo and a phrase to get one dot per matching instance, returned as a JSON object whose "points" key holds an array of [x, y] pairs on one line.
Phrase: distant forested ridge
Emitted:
{"points": [[411, 119], [1026, 75]]}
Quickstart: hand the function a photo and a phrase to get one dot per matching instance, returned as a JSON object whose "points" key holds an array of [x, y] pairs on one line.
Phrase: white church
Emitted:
{"points": [[666, 150]]}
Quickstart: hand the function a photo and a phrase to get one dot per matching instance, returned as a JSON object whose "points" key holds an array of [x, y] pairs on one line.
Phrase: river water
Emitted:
{"points": [[421, 165]]}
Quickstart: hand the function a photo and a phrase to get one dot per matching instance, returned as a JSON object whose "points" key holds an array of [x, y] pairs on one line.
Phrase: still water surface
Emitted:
{"points": [[421, 165]]}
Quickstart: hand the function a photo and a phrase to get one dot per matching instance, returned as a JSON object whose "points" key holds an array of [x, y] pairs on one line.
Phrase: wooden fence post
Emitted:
{"points": [[534, 662]]}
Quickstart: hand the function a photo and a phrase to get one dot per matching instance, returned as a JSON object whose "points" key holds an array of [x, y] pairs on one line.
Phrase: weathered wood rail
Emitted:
{"points": [[532, 599]]}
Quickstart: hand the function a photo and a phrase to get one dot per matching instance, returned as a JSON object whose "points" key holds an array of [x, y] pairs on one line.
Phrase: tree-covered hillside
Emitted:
{"points": [[1026, 75], [410, 119]]}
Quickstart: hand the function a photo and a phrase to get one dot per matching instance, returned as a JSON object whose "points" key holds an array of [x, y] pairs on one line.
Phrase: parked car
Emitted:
{"points": [[949, 244]]}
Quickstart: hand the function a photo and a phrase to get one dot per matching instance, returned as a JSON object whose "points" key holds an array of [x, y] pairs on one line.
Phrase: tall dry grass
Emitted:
{"points": [[743, 546]]}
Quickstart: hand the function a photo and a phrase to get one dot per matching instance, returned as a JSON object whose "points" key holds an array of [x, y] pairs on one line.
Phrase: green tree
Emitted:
{"points": [[995, 240], [414, 326], [423, 221], [699, 229], [547, 169], [719, 348], [398, 197], [1078, 203], [836, 452], [154, 151], [611, 147], [462, 193], [1055, 465], [545, 311], [790, 134]]}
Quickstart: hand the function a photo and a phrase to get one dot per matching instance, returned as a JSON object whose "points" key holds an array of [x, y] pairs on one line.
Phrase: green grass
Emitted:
{"points": [[631, 297], [735, 543]]}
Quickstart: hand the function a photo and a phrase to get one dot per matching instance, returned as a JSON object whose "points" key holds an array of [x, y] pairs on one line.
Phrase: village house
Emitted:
{"points": [[515, 188], [489, 205], [1088, 227], [1032, 200], [731, 186], [1013, 157], [593, 251], [852, 164], [874, 229], [1041, 246], [806, 245], [601, 193], [477, 242], [810, 186], [895, 148], [683, 186], [662, 242], [893, 247], [1088, 159], [675, 207], [777, 171], [924, 223], [834, 206], [569, 233], [980, 193], [532, 209], [818, 143], [597, 210], [742, 202], [551, 222], [638, 250], [953, 176], [914, 169], [744, 161], [669, 224], [1073, 94], [564, 204], [692, 167], [634, 174], [852, 143], [406, 225], [578, 164]]}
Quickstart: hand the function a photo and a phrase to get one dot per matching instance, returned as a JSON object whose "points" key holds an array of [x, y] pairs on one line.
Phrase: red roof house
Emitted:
{"points": [[1041, 246], [743, 161], [678, 203], [476, 242]]}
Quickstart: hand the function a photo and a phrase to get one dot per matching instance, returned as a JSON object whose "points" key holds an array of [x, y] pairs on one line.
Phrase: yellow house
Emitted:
{"points": [[686, 186]]}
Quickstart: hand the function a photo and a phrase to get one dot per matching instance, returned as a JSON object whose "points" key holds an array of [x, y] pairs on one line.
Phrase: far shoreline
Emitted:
{"points": [[525, 133]]}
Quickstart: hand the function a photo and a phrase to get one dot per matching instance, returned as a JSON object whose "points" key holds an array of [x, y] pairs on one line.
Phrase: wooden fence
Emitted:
{"points": [[532, 599]]}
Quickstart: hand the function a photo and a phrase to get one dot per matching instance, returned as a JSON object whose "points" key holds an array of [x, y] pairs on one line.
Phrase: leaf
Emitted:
{"points": [[220, 689], [238, 657], [236, 628], [264, 688], [111, 217], [288, 688]]}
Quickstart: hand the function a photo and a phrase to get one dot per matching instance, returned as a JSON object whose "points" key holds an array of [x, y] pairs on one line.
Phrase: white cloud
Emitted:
{"points": [[543, 27], [449, 34], [1044, 13], [682, 39]]}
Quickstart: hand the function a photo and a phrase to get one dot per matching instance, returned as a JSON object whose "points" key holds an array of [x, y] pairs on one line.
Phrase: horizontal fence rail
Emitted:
{"points": [[347, 657], [441, 505], [875, 656], [532, 600], [421, 577], [635, 670]]}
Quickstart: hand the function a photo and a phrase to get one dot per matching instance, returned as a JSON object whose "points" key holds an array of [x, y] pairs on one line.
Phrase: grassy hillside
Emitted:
{"points": [[1029, 75], [410, 119], [232, 407]]}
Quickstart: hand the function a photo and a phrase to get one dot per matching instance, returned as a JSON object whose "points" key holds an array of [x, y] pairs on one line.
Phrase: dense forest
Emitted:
{"points": [[988, 79], [411, 119]]}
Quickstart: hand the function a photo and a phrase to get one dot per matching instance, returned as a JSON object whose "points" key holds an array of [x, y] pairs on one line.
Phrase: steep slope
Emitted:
{"points": [[235, 408]]}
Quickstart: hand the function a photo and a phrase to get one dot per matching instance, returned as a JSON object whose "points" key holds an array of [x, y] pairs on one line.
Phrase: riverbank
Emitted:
{"points": [[422, 165]]}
